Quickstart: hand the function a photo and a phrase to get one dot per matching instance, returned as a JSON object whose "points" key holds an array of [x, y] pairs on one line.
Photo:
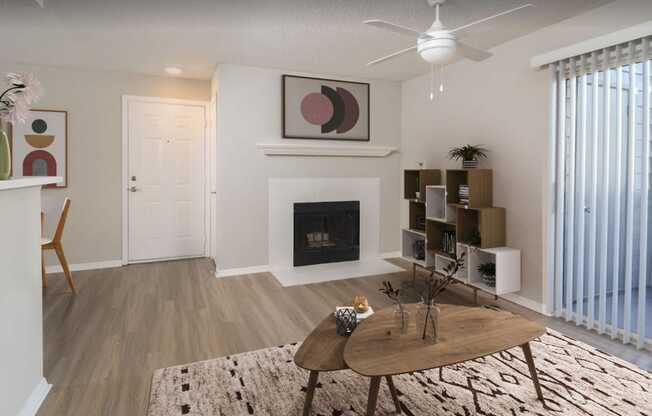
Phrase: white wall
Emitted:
{"points": [[249, 112], [504, 104], [93, 100]]}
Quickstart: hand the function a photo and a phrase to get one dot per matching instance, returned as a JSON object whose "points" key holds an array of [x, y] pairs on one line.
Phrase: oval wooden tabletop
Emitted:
{"points": [[465, 333], [323, 349]]}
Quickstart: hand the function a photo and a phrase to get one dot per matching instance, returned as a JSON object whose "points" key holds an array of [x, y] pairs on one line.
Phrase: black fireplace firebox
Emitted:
{"points": [[326, 232]]}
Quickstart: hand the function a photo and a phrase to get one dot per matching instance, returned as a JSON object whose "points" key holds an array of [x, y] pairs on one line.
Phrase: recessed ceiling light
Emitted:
{"points": [[173, 70]]}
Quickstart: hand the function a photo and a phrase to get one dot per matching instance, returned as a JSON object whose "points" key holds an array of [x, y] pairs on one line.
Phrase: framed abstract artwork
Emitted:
{"points": [[40, 146], [325, 109]]}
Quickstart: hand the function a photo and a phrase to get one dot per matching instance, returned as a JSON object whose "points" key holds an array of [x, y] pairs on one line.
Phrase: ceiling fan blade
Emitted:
{"points": [[472, 53], [392, 55], [403, 30], [468, 25]]}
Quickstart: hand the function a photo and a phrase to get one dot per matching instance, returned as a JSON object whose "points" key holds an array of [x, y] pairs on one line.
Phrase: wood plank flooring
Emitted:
{"points": [[102, 346]]}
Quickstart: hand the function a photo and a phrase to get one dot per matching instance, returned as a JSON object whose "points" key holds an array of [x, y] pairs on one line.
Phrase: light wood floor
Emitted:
{"points": [[102, 346]]}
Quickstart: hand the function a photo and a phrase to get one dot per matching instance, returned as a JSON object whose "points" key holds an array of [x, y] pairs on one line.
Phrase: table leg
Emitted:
{"points": [[414, 273], [533, 370], [392, 390], [310, 392], [374, 385]]}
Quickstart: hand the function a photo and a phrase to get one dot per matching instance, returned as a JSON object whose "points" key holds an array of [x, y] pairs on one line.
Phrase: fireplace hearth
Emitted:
{"points": [[326, 232]]}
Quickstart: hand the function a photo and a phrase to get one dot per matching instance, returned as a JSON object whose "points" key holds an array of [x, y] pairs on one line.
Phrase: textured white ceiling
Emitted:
{"points": [[319, 36]]}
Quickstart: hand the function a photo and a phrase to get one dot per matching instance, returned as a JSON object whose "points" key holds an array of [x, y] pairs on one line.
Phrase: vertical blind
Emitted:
{"points": [[602, 253]]}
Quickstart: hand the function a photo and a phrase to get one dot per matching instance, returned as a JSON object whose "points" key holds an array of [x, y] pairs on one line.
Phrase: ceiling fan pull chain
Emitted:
{"points": [[441, 80], [432, 82]]}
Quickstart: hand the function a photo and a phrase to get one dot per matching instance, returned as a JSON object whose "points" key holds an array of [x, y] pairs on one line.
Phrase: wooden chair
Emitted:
{"points": [[55, 244]]}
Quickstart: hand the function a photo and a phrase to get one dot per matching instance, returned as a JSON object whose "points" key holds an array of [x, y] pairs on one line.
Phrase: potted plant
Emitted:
{"points": [[488, 272], [428, 311], [20, 92], [468, 154]]}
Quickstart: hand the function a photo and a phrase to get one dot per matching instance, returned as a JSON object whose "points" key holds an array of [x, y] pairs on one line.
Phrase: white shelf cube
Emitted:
{"points": [[508, 268], [407, 248]]}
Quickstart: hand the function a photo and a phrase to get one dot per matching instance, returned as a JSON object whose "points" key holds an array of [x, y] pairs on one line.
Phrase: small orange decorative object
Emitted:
{"points": [[360, 304]]}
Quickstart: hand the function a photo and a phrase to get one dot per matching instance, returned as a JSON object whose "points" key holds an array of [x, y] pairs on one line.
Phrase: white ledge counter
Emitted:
{"points": [[22, 385]]}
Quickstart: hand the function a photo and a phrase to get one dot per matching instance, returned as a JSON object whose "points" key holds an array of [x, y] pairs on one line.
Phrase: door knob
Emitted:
{"points": [[133, 188]]}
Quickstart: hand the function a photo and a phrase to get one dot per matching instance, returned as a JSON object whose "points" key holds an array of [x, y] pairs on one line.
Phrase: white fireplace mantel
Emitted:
{"points": [[332, 150]]}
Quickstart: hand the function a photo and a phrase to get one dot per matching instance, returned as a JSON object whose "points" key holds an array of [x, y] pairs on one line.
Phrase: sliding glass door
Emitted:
{"points": [[603, 268]]}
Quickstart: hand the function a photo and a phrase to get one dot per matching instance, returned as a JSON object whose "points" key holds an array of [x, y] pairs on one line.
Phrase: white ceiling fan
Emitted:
{"points": [[437, 45]]}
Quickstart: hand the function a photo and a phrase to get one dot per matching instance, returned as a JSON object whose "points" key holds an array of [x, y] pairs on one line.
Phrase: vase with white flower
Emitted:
{"points": [[20, 91]]}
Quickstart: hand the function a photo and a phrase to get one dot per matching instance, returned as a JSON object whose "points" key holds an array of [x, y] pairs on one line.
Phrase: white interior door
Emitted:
{"points": [[166, 180]]}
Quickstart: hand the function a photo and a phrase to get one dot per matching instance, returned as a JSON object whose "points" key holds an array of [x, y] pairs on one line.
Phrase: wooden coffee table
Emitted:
{"points": [[323, 350], [465, 333]]}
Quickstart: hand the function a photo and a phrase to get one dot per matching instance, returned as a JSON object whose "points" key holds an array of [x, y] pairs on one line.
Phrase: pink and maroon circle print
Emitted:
{"points": [[332, 109]]}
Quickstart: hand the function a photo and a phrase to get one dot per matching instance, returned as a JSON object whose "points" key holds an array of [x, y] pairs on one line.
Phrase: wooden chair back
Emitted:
{"points": [[62, 221]]}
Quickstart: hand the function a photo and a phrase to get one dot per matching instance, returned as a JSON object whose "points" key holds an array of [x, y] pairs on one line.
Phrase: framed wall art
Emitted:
{"points": [[325, 109], [40, 146]]}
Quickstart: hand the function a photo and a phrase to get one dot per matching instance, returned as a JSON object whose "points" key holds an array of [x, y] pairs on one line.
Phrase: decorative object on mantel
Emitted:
{"points": [[326, 109], [345, 321], [41, 146], [361, 304], [469, 154], [401, 315], [427, 310], [21, 91]]}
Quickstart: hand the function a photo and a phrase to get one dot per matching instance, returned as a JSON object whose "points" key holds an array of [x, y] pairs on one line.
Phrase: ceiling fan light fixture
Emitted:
{"points": [[438, 50]]}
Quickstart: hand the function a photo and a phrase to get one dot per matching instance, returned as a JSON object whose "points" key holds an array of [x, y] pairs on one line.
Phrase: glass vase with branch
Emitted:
{"points": [[428, 311], [400, 313]]}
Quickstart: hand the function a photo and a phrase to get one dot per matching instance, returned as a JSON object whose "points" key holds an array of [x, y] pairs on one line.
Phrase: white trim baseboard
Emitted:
{"points": [[242, 270], [108, 264], [526, 303], [390, 255], [36, 398]]}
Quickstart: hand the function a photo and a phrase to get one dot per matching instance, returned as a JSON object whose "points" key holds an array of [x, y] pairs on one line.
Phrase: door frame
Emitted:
{"points": [[209, 160]]}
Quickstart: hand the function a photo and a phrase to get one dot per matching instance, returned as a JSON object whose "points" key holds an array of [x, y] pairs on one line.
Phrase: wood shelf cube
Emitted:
{"points": [[416, 181], [417, 216], [479, 181], [435, 234], [489, 222]]}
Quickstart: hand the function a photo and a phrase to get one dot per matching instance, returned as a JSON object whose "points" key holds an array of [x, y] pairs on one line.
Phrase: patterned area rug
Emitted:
{"points": [[576, 380]]}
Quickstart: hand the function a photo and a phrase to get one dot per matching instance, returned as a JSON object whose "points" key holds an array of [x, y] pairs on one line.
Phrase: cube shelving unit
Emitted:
{"points": [[438, 203]]}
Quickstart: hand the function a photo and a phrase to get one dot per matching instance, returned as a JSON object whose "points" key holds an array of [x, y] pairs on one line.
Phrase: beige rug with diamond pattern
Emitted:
{"points": [[576, 380]]}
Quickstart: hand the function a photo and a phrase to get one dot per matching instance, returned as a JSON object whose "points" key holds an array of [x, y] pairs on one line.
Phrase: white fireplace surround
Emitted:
{"points": [[284, 192]]}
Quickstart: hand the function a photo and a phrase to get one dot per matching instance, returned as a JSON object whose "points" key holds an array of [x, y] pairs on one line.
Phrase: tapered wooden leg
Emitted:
{"points": [[533, 370], [44, 276], [310, 392], [374, 385], [392, 390], [64, 264]]}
